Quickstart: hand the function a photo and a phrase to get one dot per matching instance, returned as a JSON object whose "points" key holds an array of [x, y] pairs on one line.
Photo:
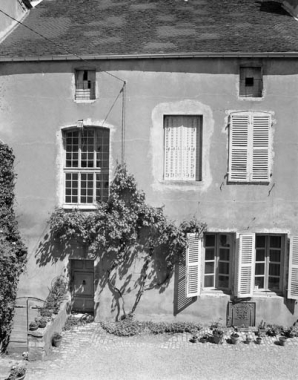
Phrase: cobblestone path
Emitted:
{"points": [[88, 352]]}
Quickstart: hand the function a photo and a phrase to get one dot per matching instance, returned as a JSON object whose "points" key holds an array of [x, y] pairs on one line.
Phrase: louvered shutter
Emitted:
{"points": [[293, 269], [193, 267], [260, 155], [245, 266], [238, 149]]}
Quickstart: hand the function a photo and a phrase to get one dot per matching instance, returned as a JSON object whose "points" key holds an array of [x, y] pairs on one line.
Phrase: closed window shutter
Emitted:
{"points": [[260, 155], [239, 146], [193, 267], [293, 269], [245, 266]]}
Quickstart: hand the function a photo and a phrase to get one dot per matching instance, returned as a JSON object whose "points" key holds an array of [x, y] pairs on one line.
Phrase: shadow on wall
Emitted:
{"points": [[181, 302], [51, 250], [127, 283], [141, 271]]}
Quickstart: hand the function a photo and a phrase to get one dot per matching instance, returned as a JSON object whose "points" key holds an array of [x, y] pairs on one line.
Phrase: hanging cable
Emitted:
{"points": [[57, 44], [113, 105]]}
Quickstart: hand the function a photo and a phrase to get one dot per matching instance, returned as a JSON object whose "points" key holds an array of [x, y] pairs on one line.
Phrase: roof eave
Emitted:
{"points": [[150, 56]]}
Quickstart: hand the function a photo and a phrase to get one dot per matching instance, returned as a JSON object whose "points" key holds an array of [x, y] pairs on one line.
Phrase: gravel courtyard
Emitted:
{"points": [[88, 352]]}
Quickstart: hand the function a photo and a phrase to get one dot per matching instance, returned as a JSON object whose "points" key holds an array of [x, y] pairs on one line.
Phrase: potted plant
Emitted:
{"points": [[283, 340], [289, 333], [204, 339], [259, 339], [41, 321], [195, 337], [262, 329], [248, 339], [235, 336], [33, 326], [17, 372], [218, 335], [56, 339]]}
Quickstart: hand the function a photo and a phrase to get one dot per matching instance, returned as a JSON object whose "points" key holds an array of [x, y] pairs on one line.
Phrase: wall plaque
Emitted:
{"points": [[241, 314]]}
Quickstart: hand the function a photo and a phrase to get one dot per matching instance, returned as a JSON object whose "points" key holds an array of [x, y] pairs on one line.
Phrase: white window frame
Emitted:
{"points": [[267, 262], [250, 147], [79, 169], [217, 246], [183, 148]]}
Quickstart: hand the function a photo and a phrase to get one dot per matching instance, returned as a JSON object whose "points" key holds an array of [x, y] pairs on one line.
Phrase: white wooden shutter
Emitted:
{"points": [[293, 269], [239, 147], [260, 156], [245, 266], [193, 265]]}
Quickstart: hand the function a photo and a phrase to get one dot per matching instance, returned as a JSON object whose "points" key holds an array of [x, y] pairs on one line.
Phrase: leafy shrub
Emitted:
{"points": [[13, 253], [130, 328], [55, 297]]}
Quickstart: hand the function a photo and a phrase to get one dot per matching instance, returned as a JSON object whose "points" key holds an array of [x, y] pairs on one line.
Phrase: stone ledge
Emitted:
{"points": [[40, 341]]}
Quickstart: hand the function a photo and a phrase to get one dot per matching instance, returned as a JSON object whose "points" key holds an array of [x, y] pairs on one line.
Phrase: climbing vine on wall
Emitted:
{"points": [[124, 225], [13, 253]]}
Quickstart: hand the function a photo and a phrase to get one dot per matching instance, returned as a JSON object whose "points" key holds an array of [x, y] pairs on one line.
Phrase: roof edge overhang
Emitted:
{"points": [[149, 56]]}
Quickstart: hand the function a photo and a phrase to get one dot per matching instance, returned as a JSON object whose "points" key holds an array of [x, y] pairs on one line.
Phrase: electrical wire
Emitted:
{"points": [[57, 44]]}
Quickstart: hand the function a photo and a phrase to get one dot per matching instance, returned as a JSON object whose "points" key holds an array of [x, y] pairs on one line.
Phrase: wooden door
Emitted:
{"points": [[82, 274]]}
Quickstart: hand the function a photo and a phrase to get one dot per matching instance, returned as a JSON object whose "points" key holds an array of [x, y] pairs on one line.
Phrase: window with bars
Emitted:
{"points": [[249, 147], [85, 84], [183, 148], [86, 167], [251, 82]]}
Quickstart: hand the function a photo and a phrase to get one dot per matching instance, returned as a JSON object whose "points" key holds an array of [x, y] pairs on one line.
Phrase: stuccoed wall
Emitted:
{"points": [[37, 100]]}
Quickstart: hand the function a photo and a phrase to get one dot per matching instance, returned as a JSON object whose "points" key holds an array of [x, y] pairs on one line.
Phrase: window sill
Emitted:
{"points": [[264, 294], [85, 101], [251, 98], [79, 207], [180, 182], [215, 293]]}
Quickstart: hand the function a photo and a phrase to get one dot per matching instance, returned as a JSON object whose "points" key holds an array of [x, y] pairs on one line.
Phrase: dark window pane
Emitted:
{"points": [[67, 199], [223, 268], [259, 281], [210, 240], [275, 241], [260, 268], [74, 199], [68, 191], [275, 255], [274, 269], [260, 241], [209, 267], [209, 254], [224, 254], [260, 255], [209, 282], [83, 199], [224, 240], [223, 282], [273, 283]]}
